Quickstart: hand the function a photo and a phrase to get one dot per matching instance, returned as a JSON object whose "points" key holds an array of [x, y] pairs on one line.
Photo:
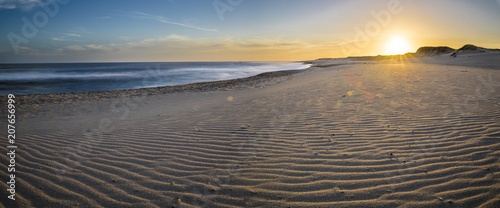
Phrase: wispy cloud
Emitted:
{"points": [[162, 19], [7, 6], [25, 5], [97, 47], [72, 34], [27, 50], [84, 49], [75, 48], [67, 37], [176, 47], [145, 43], [173, 42]]}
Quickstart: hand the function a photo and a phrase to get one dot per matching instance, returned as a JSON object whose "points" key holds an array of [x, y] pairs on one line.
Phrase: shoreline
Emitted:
{"points": [[192, 87], [481, 62], [31, 103], [60, 78]]}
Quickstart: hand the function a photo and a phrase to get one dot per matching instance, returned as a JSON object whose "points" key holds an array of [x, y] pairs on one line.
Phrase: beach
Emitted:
{"points": [[419, 132]]}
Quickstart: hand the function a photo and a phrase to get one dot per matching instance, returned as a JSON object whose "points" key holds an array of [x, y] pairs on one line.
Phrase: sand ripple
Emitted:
{"points": [[316, 140]]}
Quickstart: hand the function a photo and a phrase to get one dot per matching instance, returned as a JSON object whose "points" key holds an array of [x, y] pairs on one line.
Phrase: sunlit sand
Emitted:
{"points": [[394, 131]]}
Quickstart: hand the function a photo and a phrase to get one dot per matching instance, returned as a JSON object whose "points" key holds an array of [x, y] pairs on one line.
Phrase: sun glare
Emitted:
{"points": [[397, 45]]}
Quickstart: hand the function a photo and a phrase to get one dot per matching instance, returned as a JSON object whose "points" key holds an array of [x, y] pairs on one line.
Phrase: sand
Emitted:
{"points": [[396, 133]]}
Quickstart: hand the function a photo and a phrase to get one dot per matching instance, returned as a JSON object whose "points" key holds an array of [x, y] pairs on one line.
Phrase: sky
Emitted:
{"points": [[55, 31]]}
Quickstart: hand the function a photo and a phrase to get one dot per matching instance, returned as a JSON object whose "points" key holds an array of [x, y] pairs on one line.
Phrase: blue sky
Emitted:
{"points": [[246, 30]]}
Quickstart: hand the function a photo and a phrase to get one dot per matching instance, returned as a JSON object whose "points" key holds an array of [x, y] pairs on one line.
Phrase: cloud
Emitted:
{"points": [[27, 50], [173, 37], [76, 48], [88, 47], [72, 35], [181, 48], [96, 47], [175, 43], [7, 6], [268, 44], [145, 44], [25, 5], [146, 16], [67, 37]]}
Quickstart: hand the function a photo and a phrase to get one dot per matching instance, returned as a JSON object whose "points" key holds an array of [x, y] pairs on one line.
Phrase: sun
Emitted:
{"points": [[397, 45]]}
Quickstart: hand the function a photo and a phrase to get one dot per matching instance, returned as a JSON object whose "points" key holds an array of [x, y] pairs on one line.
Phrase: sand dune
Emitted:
{"points": [[354, 135]]}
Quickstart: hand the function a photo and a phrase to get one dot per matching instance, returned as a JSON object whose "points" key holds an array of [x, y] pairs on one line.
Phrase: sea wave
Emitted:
{"points": [[63, 78]]}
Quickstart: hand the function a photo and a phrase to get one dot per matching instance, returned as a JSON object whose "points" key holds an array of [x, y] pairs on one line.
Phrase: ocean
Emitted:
{"points": [[23, 79]]}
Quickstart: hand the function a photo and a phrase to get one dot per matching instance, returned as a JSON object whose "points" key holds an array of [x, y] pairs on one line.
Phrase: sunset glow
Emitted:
{"points": [[222, 30]]}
